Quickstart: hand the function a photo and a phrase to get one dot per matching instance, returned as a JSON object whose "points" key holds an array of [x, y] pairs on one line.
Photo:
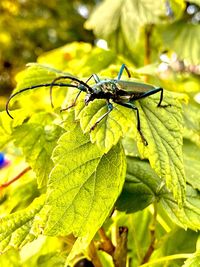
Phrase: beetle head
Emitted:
{"points": [[89, 98]]}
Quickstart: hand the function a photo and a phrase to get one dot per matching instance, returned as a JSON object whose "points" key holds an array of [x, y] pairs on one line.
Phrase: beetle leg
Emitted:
{"points": [[110, 108], [84, 86], [130, 105], [154, 91], [73, 103], [121, 71], [96, 78]]}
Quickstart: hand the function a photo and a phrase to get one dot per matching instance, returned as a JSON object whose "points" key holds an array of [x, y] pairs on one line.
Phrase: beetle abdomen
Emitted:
{"points": [[134, 86]]}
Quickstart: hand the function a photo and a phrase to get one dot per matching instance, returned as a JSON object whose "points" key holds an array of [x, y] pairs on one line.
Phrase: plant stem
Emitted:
{"points": [[93, 255], [106, 244], [120, 253], [150, 249], [2, 186], [148, 32]]}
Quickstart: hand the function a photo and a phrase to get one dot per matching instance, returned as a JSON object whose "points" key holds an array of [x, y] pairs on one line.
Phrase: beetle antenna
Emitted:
{"points": [[34, 87], [84, 88]]}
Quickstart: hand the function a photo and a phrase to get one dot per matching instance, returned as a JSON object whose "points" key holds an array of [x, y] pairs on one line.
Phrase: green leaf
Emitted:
{"points": [[194, 261], [185, 243], [5, 129], [126, 17], [192, 163], [83, 185], [21, 195], [104, 20], [52, 259], [15, 229], [162, 128], [7, 125], [108, 132], [44, 250], [67, 58], [37, 138], [11, 258], [137, 13], [184, 39], [189, 216], [178, 7], [36, 74], [198, 244], [62, 57], [137, 192], [191, 117], [141, 178]]}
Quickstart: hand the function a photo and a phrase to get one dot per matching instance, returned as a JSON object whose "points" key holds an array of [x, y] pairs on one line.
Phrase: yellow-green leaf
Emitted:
{"points": [[141, 178], [15, 229], [37, 138], [108, 132], [83, 185], [163, 129]]}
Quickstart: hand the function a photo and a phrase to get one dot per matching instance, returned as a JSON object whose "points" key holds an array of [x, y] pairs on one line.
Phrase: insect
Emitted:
{"points": [[121, 92]]}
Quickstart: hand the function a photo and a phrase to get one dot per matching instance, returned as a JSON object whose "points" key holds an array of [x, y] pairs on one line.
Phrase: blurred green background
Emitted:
{"points": [[142, 32], [28, 28]]}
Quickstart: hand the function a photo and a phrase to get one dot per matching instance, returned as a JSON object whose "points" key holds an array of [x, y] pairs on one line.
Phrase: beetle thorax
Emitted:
{"points": [[105, 89], [105, 86]]}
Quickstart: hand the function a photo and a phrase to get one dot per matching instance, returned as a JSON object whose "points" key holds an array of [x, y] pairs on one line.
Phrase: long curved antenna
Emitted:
{"points": [[85, 85], [33, 87]]}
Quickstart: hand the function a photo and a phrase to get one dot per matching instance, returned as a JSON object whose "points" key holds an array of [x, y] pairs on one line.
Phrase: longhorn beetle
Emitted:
{"points": [[122, 92]]}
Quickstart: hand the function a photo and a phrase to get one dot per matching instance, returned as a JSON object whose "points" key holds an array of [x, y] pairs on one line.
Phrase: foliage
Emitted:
{"points": [[103, 194], [41, 26]]}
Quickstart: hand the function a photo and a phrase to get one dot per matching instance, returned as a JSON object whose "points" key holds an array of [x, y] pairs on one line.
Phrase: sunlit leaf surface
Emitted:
{"points": [[15, 229], [161, 127], [193, 261], [37, 138], [83, 185], [7, 125], [108, 132], [192, 163]]}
